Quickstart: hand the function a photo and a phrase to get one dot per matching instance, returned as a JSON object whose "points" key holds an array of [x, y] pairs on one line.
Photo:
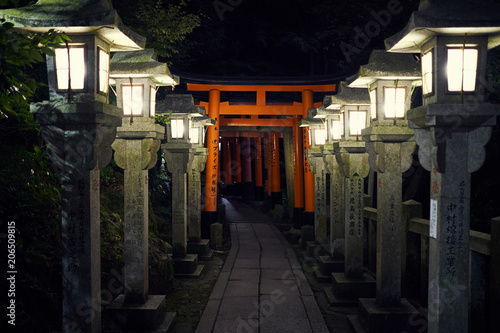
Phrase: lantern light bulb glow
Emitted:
{"points": [[70, 66], [462, 69]]}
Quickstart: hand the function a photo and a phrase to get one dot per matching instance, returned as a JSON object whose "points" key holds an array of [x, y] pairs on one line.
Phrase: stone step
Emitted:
{"points": [[402, 318], [356, 323], [185, 265], [314, 250], [344, 288], [320, 277], [207, 257], [202, 249], [334, 301], [152, 316], [327, 265], [194, 275]]}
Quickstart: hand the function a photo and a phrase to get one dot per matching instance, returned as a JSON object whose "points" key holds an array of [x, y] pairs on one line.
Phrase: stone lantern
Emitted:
{"points": [[335, 125], [390, 79], [451, 129], [184, 152], [78, 126], [352, 159], [317, 137], [136, 75]]}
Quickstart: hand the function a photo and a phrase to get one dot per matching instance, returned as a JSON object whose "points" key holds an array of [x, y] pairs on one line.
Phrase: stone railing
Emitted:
{"points": [[484, 300]]}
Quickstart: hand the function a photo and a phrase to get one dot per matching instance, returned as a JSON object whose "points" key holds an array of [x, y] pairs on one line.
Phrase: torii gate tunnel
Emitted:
{"points": [[263, 120]]}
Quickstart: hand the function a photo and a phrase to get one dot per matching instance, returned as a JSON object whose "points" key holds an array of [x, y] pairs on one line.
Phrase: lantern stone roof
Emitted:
{"points": [[180, 103], [383, 65], [448, 17], [312, 118], [76, 17], [347, 96], [141, 64]]}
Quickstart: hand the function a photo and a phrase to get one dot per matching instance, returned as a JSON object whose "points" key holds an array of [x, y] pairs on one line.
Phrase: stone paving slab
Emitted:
{"points": [[244, 307], [285, 287], [241, 288], [289, 324], [277, 274], [250, 274], [278, 305], [247, 263], [261, 287]]}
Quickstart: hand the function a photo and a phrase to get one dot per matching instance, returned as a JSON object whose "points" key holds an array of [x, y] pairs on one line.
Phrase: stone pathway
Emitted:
{"points": [[261, 287]]}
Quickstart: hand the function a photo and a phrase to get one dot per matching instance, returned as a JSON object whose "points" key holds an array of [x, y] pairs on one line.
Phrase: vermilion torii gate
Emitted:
{"points": [[264, 121]]}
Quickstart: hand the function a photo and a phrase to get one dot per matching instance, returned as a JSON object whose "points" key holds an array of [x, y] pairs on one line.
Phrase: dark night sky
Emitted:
{"points": [[281, 37]]}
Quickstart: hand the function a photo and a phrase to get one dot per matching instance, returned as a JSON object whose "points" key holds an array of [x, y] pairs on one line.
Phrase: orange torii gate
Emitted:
{"points": [[241, 119]]}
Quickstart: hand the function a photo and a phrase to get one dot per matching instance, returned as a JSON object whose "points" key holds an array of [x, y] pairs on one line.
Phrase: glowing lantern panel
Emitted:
{"points": [[70, 66], [462, 69]]}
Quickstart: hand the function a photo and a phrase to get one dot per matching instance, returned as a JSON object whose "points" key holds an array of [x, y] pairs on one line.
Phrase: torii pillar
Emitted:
{"points": [[307, 102], [275, 170], [209, 215], [237, 166], [247, 187], [259, 183], [298, 172]]}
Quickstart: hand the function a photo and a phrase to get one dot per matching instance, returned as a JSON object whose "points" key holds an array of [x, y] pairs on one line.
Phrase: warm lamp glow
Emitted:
{"points": [[320, 136], [427, 73], [132, 100], [373, 103], [152, 102], [336, 129], [177, 126], [357, 122], [394, 102], [70, 66], [103, 71], [194, 134], [462, 69]]}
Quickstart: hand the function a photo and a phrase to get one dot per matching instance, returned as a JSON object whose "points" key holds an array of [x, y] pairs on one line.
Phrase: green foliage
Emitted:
{"points": [[165, 24], [18, 54], [163, 118]]}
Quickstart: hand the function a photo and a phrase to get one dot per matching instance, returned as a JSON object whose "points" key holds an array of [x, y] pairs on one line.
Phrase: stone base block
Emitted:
{"points": [[334, 301], [278, 213], [221, 210], [391, 320], [194, 275], [151, 316], [202, 249], [344, 288], [207, 219], [187, 267], [315, 250], [320, 277], [327, 265]]}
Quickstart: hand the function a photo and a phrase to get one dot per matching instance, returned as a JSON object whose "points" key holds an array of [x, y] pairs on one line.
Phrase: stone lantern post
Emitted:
{"points": [[317, 139], [180, 155], [79, 126], [352, 158], [137, 75], [334, 122], [196, 245], [390, 79], [451, 129]]}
